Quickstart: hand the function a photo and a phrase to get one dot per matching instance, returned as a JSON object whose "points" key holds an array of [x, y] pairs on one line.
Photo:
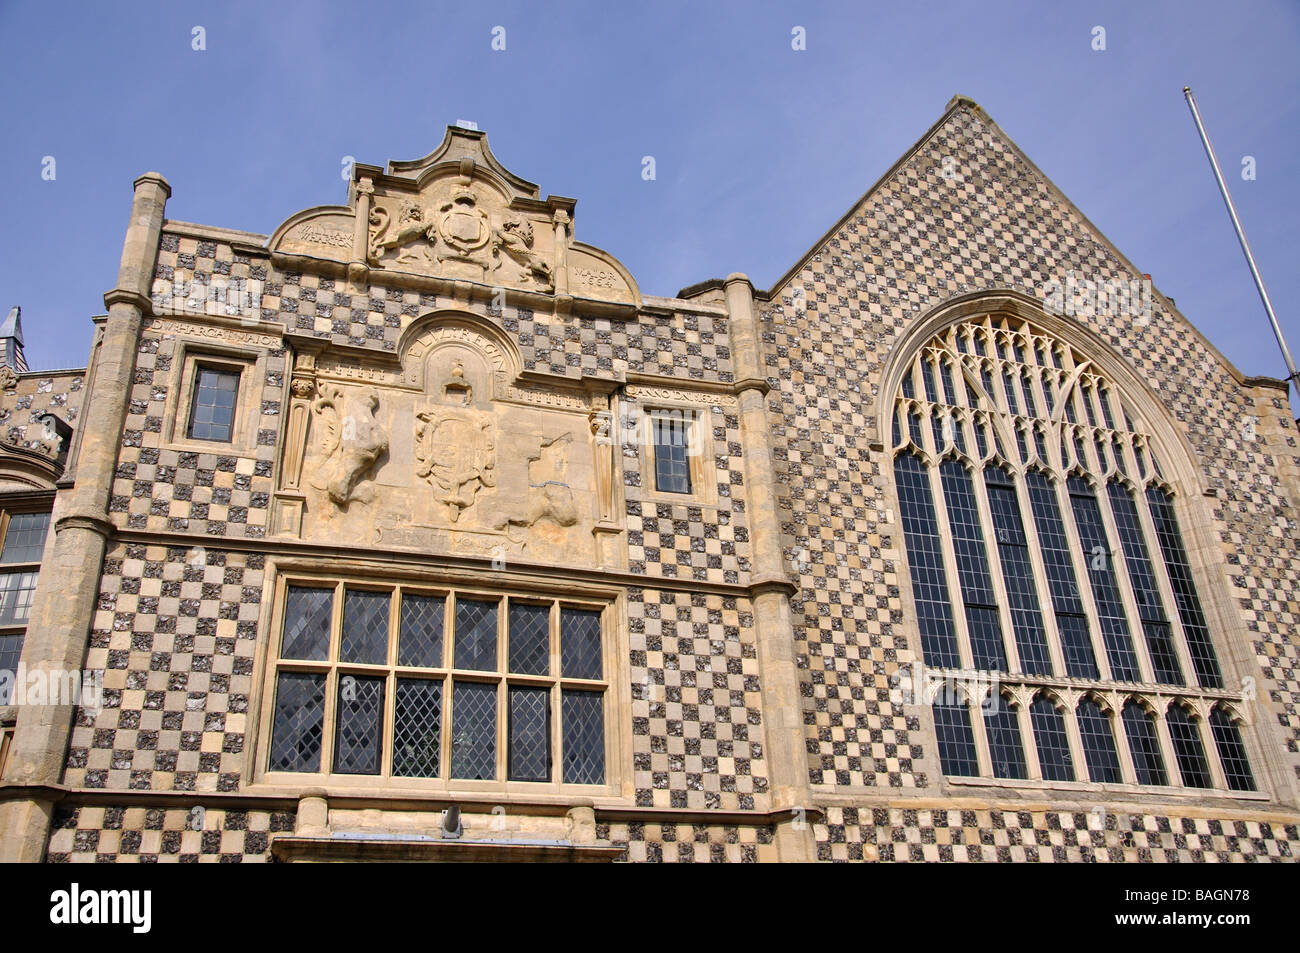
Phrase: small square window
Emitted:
{"points": [[672, 452], [212, 411]]}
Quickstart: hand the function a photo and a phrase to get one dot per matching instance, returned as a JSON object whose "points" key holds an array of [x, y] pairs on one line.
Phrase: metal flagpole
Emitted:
{"points": [[1294, 375]]}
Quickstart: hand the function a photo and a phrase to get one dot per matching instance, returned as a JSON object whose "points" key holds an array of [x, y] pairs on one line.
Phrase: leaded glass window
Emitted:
{"points": [[1042, 543], [23, 536], [444, 686], [212, 409], [672, 452]]}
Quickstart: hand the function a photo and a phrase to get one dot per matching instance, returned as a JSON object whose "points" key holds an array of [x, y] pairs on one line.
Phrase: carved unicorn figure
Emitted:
{"points": [[352, 441]]}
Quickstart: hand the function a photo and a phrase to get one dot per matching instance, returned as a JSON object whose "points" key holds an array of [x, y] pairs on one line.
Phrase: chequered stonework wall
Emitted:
{"points": [[1009, 835], [691, 540], [917, 241], [39, 392], [174, 633], [150, 835], [697, 736], [689, 843]]}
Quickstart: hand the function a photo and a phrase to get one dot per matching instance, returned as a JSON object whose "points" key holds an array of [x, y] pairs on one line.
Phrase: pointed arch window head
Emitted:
{"points": [[1042, 543]]}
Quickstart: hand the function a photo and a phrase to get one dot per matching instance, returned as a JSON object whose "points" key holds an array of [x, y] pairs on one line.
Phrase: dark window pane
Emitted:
{"points": [[1018, 573], [1199, 646], [1050, 740], [530, 734], [357, 747], [474, 731], [212, 413], [925, 559], [1101, 572], [11, 650], [1160, 644], [1098, 744], [956, 741], [299, 721], [307, 623], [982, 620], [1005, 750], [417, 728], [476, 635], [1140, 729], [365, 627], [530, 639], [1232, 753], [1071, 623], [583, 729], [672, 463], [580, 643], [16, 591], [25, 538], [420, 644], [1186, 737]]}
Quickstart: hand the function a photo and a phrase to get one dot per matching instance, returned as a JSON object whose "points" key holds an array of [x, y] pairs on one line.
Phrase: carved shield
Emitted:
{"points": [[456, 453]]}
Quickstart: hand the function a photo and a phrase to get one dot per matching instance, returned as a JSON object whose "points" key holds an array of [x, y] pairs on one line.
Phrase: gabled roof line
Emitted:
{"points": [[956, 103]]}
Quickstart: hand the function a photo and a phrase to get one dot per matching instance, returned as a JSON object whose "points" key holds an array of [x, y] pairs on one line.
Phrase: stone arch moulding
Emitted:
{"points": [[1172, 444], [438, 329]]}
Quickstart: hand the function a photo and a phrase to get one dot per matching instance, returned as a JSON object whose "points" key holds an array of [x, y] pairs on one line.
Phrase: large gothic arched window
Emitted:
{"points": [[1044, 549]]}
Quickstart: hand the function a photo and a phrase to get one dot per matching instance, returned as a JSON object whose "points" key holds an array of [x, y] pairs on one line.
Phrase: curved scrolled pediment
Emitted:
{"points": [[456, 215]]}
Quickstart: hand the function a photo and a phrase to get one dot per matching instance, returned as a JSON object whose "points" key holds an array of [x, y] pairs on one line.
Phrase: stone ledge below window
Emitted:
{"points": [[373, 849]]}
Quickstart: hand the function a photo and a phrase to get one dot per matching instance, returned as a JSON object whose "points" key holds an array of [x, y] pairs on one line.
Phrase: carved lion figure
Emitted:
{"points": [[411, 226], [548, 496], [353, 440]]}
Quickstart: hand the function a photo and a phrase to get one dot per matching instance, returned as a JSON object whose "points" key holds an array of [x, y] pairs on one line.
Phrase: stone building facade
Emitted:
{"points": [[959, 543]]}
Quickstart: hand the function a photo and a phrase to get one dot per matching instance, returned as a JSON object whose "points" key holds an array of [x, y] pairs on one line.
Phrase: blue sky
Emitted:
{"points": [[759, 148]]}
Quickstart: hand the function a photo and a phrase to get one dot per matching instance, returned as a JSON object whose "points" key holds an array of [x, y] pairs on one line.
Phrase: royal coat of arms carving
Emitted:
{"points": [[455, 451]]}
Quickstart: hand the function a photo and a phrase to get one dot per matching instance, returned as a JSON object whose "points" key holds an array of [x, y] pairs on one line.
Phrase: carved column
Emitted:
{"points": [[561, 220], [64, 603], [782, 713], [604, 446], [289, 498], [359, 267]]}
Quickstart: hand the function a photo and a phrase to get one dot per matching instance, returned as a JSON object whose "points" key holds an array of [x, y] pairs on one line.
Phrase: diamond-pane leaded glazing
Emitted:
{"points": [[1232, 753], [1053, 745], [1099, 752], [580, 655], [583, 737], [358, 748], [417, 728], [474, 731], [365, 627], [420, 644], [530, 639], [307, 614], [529, 754], [476, 634], [297, 731]]}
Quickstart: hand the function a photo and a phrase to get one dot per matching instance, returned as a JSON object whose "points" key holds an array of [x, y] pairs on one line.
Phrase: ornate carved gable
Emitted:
{"points": [[455, 215]]}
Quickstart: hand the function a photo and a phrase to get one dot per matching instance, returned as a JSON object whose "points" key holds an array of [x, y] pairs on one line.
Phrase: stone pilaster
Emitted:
{"points": [[782, 719], [64, 603]]}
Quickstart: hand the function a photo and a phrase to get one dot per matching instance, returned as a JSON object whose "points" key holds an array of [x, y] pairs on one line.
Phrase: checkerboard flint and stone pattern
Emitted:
{"points": [[697, 732], [683, 345], [689, 843], [685, 540], [918, 240], [903, 834], [174, 633], [148, 835], [37, 393]]}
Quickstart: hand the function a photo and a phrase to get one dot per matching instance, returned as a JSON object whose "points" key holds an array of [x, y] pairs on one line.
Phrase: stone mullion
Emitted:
{"points": [[1118, 558], [1127, 770], [1082, 579], [993, 561], [951, 576], [1046, 607], [1161, 573], [1212, 760], [1173, 770]]}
